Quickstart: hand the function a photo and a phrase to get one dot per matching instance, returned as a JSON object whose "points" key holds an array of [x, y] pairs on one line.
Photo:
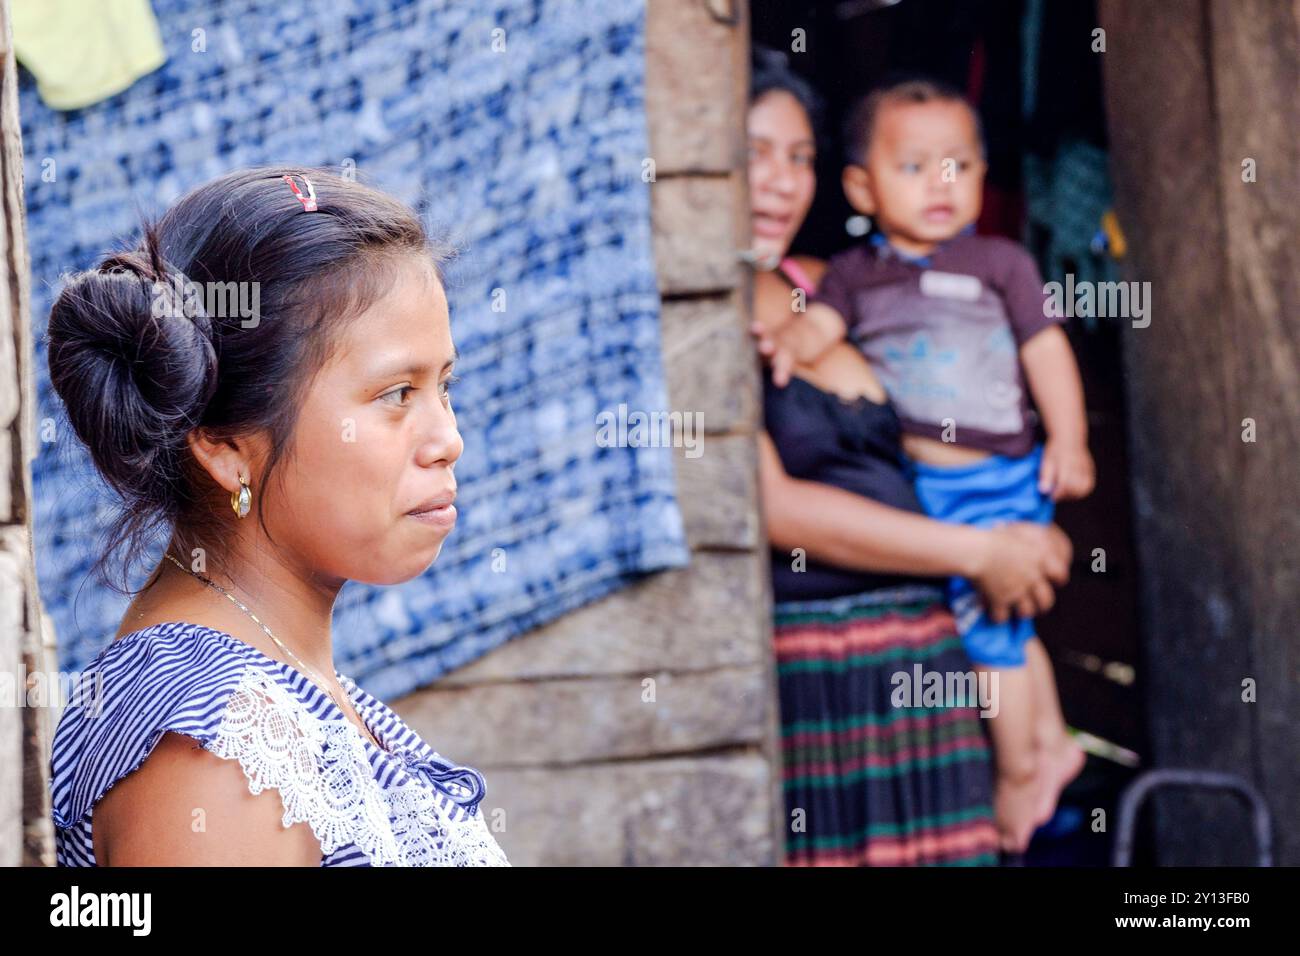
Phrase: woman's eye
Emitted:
{"points": [[911, 167], [398, 391], [804, 160], [445, 387]]}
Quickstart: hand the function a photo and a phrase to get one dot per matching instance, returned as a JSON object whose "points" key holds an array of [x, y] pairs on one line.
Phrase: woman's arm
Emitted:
{"points": [[845, 529], [1012, 566], [185, 806]]}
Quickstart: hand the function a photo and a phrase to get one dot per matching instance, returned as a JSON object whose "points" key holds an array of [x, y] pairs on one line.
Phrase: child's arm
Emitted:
{"points": [[1054, 381], [802, 339]]}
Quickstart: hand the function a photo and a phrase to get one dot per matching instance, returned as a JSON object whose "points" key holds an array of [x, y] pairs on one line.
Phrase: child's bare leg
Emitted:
{"points": [[1018, 787], [1050, 733], [1060, 758]]}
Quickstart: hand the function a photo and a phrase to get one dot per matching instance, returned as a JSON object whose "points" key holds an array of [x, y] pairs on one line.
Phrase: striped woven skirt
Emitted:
{"points": [[873, 774]]}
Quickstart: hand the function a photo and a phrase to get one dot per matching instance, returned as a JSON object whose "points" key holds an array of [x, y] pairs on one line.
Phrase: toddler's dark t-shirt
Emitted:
{"points": [[944, 335]]}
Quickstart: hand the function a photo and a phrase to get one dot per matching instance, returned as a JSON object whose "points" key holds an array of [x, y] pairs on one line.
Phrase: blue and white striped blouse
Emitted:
{"points": [[403, 805]]}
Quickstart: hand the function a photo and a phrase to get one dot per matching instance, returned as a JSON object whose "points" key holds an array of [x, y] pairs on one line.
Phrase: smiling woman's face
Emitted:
{"points": [[376, 440], [782, 179]]}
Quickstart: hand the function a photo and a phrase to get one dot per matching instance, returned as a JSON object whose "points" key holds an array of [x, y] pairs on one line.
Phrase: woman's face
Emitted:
{"points": [[375, 441], [781, 176]]}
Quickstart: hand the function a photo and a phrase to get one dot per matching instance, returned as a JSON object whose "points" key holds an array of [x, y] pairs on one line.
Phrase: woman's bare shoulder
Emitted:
{"points": [[162, 604], [185, 806]]}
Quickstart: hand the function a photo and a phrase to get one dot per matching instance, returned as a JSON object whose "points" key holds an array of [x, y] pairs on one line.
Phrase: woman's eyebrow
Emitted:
{"points": [[768, 141], [405, 367]]}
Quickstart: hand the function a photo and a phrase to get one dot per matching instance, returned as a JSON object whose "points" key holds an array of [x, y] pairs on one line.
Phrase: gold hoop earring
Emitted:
{"points": [[242, 499]]}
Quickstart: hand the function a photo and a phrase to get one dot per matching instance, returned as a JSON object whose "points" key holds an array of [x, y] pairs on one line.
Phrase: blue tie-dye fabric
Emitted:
{"points": [[517, 128]]}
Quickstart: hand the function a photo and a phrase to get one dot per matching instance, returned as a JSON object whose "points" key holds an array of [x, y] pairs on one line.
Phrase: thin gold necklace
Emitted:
{"points": [[243, 607]]}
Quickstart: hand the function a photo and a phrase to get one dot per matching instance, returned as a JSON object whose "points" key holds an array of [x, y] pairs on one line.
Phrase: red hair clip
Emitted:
{"points": [[308, 201]]}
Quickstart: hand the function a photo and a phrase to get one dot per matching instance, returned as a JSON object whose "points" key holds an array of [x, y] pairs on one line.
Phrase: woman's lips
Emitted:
{"points": [[443, 516], [938, 213], [770, 227], [440, 510]]}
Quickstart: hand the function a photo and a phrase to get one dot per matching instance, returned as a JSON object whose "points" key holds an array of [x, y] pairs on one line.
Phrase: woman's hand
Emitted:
{"points": [[1018, 565]]}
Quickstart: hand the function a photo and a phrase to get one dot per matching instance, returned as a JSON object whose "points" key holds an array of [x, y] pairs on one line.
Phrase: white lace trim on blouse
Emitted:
{"points": [[324, 776]]}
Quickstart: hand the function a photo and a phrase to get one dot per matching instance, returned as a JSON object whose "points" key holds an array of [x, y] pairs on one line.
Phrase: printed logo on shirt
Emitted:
{"points": [[950, 285], [919, 369]]}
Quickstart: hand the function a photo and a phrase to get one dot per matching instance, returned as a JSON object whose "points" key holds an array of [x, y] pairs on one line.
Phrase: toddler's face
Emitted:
{"points": [[924, 175]]}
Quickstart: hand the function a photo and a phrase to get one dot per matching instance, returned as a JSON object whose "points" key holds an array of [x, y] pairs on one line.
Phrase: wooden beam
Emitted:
{"points": [[694, 235], [1255, 49], [1192, 88], [709, 358], [709, 615], [26, 827], [560, 722], [705, 811], [690, 71]]}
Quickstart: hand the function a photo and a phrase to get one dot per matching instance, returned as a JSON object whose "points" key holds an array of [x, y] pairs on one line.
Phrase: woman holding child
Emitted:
{"points": [[873, 774]]}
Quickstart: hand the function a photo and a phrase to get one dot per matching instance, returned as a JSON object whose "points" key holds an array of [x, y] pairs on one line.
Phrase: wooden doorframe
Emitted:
{"points": [[26, 641], [1195, 89]]}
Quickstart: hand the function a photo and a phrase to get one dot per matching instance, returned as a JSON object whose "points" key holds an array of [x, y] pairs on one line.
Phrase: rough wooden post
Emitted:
{"points": [[588, 771], [26, 832], [1203, 112]]}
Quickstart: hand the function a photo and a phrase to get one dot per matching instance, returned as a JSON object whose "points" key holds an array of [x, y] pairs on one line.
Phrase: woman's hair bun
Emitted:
{"points": [[131, 355]]}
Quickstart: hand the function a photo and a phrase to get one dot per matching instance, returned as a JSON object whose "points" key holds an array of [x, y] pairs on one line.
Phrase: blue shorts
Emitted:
{"points": [[993, 491]]}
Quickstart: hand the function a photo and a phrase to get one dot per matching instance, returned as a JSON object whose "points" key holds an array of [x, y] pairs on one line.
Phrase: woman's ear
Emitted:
{"points": [[856, 182], [224, 459]]}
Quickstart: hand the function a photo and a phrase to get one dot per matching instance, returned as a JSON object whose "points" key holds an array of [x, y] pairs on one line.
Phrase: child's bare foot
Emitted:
{"points": [[1015, 802], [1057, 767]]}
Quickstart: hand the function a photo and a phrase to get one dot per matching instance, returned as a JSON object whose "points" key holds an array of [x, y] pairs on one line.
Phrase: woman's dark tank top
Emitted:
{"points": [[851, 444]]}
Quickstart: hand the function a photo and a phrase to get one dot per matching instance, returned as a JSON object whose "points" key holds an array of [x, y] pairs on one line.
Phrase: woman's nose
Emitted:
{"points": [[442, 443], [775, 176]]}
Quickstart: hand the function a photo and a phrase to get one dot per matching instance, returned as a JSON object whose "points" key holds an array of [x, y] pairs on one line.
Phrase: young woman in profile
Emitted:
{"points": [[286, 454]]}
